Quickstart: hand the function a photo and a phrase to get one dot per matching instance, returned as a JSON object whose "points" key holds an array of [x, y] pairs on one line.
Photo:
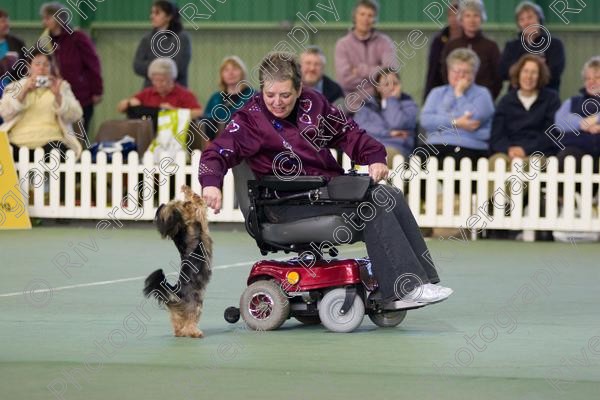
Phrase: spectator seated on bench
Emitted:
{"points": [[391, 117], [40, 109], [233, 92], [164, 93], [458, 117], [582, 130], [525, 113]]}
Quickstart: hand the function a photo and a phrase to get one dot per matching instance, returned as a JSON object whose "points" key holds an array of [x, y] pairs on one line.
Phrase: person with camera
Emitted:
{"points": [[39, 109]]}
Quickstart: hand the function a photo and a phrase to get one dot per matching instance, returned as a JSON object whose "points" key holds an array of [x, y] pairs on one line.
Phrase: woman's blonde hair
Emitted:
{"points": [[592, 63], [236, 62]]}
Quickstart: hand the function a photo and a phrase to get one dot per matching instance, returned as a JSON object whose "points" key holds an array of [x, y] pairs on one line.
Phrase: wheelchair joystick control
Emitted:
{"points": [[352, 170]]}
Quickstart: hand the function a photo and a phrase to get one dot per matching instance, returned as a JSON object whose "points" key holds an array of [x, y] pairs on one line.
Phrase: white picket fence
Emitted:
{"points": [[521, 198], [119, 190], [133, 191]]}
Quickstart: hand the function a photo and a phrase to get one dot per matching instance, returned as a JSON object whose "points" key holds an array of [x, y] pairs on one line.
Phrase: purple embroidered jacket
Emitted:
{"points": [[272, 146]]}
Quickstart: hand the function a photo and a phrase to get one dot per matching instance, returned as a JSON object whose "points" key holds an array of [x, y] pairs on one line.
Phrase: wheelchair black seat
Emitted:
{"points": [[292, 230]]}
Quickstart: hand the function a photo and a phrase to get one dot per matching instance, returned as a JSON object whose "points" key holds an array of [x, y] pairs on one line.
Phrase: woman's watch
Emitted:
{"points": [[453, 122]]}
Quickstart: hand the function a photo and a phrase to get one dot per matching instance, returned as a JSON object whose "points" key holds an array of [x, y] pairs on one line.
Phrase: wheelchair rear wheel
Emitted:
{"points": [[263, 306], [388, 319]]}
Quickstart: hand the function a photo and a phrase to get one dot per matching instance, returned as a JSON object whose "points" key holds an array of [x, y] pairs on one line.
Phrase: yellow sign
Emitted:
{"points": [[13, 210]]}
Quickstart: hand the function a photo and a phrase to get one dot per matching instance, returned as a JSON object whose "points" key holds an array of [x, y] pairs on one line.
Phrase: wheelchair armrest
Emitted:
{"points": [[349, 187], [299, 183]]}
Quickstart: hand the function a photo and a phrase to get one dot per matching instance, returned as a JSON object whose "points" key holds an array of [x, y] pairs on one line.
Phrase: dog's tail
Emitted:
{"points": [[156, 285]]}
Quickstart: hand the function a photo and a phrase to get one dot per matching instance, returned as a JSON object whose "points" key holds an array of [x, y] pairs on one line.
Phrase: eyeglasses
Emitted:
{"points": [[591, 78], [461, 71]]}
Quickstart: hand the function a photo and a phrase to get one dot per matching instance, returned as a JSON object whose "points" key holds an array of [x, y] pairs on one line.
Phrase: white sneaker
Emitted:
{"points": [[428, 293]]}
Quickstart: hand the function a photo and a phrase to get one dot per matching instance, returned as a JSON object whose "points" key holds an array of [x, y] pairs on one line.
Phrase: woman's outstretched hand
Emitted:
{"points": [[213, 197]]}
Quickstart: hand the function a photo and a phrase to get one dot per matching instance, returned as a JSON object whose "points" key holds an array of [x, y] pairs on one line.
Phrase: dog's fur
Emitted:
{"points": [[186, 224]]}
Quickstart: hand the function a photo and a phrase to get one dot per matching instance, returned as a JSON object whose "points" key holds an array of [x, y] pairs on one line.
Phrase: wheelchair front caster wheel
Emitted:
{"points": [[333, 319], [232, 315]]}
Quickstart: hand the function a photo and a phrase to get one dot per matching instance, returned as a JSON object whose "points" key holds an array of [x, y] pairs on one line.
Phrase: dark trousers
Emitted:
{"points": [[62, 149], [578, 153], [398, 253], [88, 113]]}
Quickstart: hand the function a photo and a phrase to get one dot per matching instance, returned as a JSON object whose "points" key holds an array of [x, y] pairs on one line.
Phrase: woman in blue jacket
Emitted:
{"points": [[458, 116], [391, 116], [578, 119]]}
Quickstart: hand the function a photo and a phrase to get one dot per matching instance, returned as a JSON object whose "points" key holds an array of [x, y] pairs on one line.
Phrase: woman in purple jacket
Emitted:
{"points": [[298, 123], [76, 56], [391, 116]]}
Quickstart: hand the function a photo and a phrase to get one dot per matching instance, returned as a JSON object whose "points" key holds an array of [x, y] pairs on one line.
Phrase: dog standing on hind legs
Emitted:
{"points": [[184, 222]]}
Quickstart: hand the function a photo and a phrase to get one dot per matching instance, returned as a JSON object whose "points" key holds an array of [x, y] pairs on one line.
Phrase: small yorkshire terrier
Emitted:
{"points": [[186, 224]]}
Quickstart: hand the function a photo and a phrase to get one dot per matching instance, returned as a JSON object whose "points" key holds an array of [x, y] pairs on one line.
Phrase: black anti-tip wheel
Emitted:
{"points": [[232, 315]]}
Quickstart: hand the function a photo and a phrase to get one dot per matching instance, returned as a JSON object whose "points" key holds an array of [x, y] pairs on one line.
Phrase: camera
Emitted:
{"points": [[42, 81]]}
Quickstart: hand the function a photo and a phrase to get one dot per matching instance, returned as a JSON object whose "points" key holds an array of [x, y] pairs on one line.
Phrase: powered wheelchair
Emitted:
{"points": [[310, 287]]}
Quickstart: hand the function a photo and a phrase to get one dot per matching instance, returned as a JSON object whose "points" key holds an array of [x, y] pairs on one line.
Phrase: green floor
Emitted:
{"points": [[523, 324]]}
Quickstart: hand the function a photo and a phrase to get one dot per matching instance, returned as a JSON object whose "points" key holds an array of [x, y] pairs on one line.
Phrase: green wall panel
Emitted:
{"points": [[279, 11]]}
